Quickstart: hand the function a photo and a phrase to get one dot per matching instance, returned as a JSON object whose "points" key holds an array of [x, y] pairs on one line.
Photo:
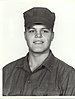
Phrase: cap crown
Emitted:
{"points": [[39, 15]]}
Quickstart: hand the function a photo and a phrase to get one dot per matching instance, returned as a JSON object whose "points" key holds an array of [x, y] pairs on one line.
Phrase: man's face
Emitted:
{"points": [[38, 38]]}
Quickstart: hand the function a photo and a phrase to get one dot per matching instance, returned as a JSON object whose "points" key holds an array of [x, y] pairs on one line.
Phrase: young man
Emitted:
{"points": [[39, 73]]}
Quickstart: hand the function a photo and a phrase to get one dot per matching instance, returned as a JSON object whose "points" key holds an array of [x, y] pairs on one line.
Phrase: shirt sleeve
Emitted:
{"points": [[68, 82]]}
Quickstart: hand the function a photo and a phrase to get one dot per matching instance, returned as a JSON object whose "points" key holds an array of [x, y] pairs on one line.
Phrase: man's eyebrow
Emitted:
{"points": [[31, 28], [44, 28]]}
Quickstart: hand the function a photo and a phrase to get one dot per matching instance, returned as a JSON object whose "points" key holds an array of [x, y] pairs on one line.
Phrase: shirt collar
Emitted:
{"points": [[48, 63], [23, 63]]}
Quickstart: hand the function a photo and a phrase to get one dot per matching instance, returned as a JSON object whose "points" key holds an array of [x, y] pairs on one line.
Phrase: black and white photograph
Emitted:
{"points": [[37, 48]]}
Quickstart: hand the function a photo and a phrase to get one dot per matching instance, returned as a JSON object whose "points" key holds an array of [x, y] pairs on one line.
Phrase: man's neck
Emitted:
{"points": [[36, 59]]}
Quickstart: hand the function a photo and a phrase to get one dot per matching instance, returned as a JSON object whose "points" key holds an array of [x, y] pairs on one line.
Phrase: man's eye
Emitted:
{"points": [[45, 31], [31, 31]]}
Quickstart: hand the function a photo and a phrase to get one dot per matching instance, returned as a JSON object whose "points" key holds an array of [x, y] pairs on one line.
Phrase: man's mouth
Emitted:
{"points": [[38, 42]]}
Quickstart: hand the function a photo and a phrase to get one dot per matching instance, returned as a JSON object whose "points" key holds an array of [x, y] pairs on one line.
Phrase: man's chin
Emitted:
{"points": [[40, 51]]}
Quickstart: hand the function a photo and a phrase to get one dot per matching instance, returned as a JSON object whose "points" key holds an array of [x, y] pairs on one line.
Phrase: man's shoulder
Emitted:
{"points": [[63, 66], [13, 64]]}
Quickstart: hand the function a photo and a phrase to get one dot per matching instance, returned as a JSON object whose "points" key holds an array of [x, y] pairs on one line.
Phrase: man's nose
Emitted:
{"points": [[38, 34]]}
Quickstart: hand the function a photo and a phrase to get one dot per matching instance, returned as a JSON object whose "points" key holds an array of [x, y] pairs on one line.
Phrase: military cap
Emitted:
{"points": [[39, 15]]}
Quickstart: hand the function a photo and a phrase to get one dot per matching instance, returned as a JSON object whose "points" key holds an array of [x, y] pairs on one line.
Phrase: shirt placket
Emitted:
{"points": [[28, 86]]}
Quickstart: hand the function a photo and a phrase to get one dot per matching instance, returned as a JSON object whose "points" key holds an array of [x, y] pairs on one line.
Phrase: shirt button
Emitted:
{"points": [[29, 81]]}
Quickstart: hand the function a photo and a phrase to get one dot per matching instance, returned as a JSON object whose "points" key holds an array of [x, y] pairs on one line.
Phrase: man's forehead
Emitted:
{"points": [[38, 26]]}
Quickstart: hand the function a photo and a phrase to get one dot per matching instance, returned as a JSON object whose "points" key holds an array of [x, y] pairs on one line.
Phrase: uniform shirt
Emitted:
{"points": [[52, 78]]}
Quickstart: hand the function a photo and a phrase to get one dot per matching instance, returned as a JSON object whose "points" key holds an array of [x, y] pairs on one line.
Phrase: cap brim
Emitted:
{"points": [[38, 20]]}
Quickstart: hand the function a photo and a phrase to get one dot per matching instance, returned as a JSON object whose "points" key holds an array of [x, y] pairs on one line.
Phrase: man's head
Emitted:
{"points": [[39, 24], [39, 15]]}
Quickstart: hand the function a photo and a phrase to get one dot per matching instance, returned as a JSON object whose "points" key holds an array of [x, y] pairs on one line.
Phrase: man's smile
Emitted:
{"points": [[38, 42]]}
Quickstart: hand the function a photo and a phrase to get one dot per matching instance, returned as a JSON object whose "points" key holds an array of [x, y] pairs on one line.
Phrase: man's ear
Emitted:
{"points": [[52, 36], [25, 35]]}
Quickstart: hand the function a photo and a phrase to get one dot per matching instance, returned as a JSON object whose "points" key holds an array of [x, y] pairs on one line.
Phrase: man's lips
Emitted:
{"points": [[38, 42]]}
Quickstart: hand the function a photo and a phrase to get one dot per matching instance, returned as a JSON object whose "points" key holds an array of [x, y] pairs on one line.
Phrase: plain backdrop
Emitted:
{"points": [[12, 42]]}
